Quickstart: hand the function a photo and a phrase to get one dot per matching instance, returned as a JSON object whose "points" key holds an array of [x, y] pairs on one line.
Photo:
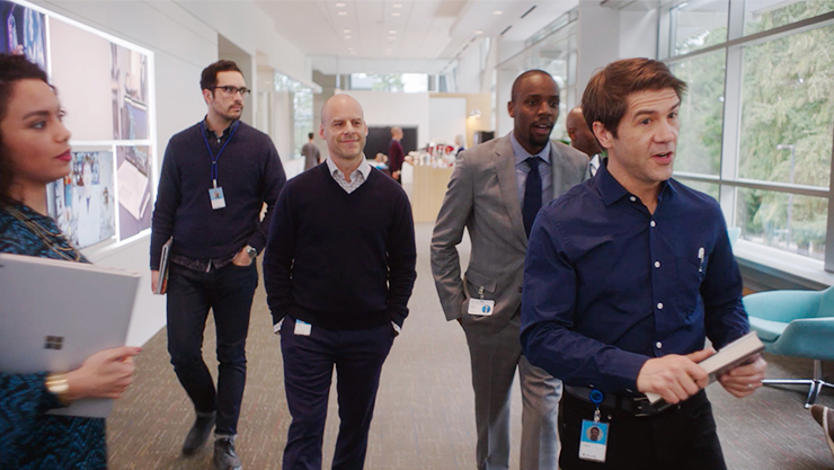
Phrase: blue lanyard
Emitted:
{"points": [[222, 148]]}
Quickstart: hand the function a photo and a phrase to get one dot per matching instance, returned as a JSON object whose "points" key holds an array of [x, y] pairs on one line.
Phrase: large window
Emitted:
{"points": [[394, 82], [302, 109], [758, 118]]}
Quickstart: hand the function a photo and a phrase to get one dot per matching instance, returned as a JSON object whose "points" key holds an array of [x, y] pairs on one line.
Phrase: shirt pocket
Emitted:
{"points": [[687, 287]]}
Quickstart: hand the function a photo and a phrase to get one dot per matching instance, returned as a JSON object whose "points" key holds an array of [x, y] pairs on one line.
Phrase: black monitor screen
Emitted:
{"points": [[379, 137]]}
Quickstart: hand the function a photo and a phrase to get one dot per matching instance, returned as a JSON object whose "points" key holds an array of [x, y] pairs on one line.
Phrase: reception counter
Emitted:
{"points": [[426, 187]]}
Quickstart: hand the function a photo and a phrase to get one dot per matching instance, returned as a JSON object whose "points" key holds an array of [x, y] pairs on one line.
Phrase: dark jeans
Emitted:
{"points": [[228, 293], [308, 367], [682, 437]]}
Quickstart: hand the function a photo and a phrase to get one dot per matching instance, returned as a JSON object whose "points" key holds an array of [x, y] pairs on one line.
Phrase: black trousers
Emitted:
{"points": [[681, 437], [357, 356], [228, 293]]}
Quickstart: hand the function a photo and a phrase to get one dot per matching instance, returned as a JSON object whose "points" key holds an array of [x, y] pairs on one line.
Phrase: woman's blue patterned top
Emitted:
{"points": [[30, 438]]}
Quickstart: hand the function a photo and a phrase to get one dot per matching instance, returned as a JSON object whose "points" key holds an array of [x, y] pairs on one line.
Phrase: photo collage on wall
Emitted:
{"points": [[82, 202], [108, 193], [24, 32], [133, 163]]}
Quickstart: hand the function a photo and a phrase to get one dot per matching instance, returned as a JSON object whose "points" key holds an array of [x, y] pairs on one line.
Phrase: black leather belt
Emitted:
{"points": [[633, 405]]}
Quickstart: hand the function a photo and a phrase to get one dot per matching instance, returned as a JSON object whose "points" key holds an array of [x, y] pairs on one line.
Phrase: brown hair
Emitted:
{"points": [[208, 78], [604, 99], [12, 69]]}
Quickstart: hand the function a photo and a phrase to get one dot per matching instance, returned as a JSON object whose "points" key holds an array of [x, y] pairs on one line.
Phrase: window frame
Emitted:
{"points": [[728, 180]]}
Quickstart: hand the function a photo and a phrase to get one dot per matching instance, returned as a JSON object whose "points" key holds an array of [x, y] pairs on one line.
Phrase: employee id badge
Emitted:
{"points": [[593, 437], [302, 328], [481, 307], [216, 196], [593, 441]]}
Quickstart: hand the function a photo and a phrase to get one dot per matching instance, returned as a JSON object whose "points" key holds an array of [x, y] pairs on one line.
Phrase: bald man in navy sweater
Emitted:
{"points": [[338, 271]]}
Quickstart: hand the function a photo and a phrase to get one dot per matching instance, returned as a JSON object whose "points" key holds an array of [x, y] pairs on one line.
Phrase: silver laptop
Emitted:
{"points": [[54, 314]]}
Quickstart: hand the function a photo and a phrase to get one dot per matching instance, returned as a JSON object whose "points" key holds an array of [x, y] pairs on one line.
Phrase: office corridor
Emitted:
{"points": [[424, 416]]}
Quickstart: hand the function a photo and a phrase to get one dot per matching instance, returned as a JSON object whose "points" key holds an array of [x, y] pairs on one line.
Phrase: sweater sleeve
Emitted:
{"points": [[278, 257], [402, 257], [167, 201], [23, 397], [273, 181]]}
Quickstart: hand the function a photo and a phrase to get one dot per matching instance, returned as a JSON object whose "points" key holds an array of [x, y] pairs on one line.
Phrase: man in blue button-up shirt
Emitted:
{"points": [[625, 276]]}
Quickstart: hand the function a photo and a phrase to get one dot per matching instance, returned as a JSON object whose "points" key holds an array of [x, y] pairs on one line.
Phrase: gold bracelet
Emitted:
{"points": [[57, 385]]}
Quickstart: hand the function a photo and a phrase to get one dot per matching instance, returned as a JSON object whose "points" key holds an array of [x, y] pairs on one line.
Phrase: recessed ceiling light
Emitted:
{"points": [[341, 13], [340, 4], [392, 31], [497, 12], [347, 31], [396, 13], [347, 36], [397, 5], [479, 31]]}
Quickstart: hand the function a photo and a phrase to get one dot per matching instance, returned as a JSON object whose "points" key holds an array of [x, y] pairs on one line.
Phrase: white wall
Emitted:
{"points": [[448, 119], [183, 36], [608, 34], [396, 109], [282, 123]]}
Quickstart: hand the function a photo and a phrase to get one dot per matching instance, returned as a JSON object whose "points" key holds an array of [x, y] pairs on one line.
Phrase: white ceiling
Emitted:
{"points": [[419, 31]]}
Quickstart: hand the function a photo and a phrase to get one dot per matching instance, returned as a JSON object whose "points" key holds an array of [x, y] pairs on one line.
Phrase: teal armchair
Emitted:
{"points": [[795, 323]]}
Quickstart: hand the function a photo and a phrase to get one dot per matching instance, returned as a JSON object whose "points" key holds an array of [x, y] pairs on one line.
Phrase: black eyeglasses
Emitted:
{"points": [[231, 90]]}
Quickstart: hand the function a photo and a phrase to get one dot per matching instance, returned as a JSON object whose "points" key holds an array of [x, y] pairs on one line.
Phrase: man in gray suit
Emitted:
{"points": [[495, 192]]}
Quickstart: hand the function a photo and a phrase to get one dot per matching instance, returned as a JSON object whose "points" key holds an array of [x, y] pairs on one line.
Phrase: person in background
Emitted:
{"points": [[34, 151], [216, 176], [312, 156], [626, 276], [338, 272], [459, 145], [582, 139], [494, 192], [396, 154]]}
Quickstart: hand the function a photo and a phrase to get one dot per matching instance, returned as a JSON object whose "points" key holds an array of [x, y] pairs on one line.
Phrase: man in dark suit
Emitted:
{"points": [[495, 192]]}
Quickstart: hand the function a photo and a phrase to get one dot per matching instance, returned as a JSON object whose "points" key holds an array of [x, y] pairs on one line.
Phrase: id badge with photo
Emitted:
{"points": [[216, 196], [481, 307], [593, 440]]}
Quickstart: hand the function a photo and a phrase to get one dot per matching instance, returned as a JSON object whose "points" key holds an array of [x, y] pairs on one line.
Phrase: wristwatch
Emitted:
{"points": [[251, 251]]}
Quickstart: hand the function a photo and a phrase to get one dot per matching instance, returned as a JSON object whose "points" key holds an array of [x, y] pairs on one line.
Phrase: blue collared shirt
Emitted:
{"points": [[608, 285], [522, 168]]}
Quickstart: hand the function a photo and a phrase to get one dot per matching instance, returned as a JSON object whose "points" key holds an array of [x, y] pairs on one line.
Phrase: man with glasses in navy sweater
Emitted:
{"points": [[216, 177], [338, 272]]}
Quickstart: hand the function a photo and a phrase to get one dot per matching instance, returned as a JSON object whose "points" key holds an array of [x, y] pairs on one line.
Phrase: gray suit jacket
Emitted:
{"points": [[482, 196]]}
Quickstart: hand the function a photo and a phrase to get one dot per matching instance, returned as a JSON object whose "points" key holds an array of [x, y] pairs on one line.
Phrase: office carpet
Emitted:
{"points": [[424, 418]]}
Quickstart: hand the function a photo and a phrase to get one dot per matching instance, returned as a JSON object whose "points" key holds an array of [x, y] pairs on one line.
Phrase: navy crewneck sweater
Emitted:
{"points": [[340, 261], [250, 173]]}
